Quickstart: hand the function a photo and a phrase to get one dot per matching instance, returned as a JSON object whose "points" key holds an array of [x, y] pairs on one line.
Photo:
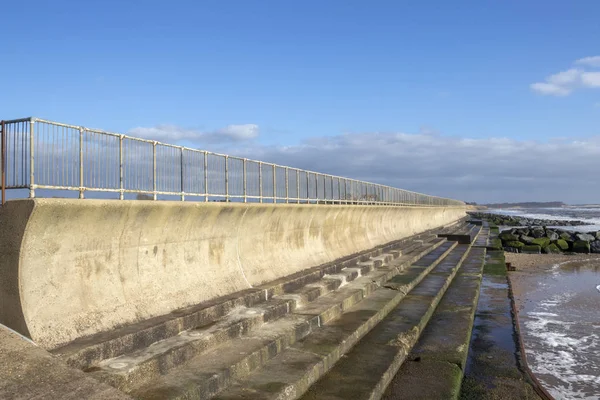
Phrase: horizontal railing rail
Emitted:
{"points": [[42, 154]]}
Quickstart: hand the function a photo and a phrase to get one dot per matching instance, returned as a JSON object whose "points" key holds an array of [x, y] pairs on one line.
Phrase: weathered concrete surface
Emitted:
{"points": [[493, 371], [72, 268], [29, 372], [440, 355]]}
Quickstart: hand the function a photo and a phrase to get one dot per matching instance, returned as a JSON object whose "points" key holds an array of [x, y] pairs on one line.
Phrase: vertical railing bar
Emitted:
{"points": [[260, 188], [307, 187], [31, 160], [121, 196], [205, 176], [287, 187], [182, 172], [274, 183], [81, 193], [298, 186], [154, 177], [244, 177], [3, 144], [226, 179]]}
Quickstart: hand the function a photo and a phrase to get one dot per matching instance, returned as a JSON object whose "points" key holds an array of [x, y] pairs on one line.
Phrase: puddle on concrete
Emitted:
{"points": [[559, 312]]}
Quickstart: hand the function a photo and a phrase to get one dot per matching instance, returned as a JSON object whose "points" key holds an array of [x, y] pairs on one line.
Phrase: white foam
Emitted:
{"points": [[564, 356], [598, 288]]}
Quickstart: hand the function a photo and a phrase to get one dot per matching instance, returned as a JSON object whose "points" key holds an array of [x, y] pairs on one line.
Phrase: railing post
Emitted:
{"points": [[154, 196], [298, 186], [307, 187], [81, 190], [3, 144], [31, 160], [287, 186], [274, 183], [226, 179], [244, 178], [182, 176], [260, 190], [121, 195], [205, 176]]}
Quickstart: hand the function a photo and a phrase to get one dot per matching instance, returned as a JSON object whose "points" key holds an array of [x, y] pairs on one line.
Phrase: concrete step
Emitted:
{"points": [[213, 371], [366, 370], [89, 352], [465, 234], [292, 372], [440, 355]]}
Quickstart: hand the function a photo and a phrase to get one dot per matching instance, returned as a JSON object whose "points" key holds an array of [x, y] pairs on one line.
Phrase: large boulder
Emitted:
{"points": [[586, 237], [562, 244], [531, 249], [598, 235], [523, 231], [595, 246], [538, 232], [552, 249], [515, 244], [508, 237], [526, 239], [581, 246], [542, 242], [552, 235], [566, 236]]}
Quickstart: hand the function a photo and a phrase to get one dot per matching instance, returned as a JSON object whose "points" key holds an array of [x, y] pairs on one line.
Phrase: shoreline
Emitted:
{"points": [[544, 261]]}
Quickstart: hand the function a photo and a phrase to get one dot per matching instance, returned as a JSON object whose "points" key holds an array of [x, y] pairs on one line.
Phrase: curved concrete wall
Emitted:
{"points": [[72, 268]]}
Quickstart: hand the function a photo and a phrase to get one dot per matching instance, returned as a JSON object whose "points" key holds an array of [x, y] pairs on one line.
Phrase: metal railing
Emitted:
{"points": [[41, 154]]}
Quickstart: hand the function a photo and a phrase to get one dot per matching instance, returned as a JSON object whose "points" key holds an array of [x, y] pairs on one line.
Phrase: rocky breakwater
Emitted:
{"points": [[536, 240], [509, 220]]}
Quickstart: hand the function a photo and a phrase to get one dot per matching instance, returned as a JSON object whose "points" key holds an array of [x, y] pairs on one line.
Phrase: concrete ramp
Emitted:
{"points": [[75, 268]]}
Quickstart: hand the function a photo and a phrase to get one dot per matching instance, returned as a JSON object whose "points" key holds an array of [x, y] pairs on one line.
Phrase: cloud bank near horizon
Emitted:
{"points": [[483, 170]]}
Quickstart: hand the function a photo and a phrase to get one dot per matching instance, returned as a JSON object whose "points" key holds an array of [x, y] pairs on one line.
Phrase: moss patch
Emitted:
{"points": [[495, 244], [542, 242], [531, 249], [581, 246], [496, 264], [552, 249], [516, 245], [562, 244], [508, 237]]}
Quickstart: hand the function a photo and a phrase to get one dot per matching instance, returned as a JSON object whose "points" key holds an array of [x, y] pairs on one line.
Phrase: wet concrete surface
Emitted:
{"points": [[492, 370]]}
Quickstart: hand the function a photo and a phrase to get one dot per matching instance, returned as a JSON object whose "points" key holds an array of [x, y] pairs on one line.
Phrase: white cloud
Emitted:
{"points": [[591, 79], [550, 88], [173, 133], [590, 61], [565, 82]]}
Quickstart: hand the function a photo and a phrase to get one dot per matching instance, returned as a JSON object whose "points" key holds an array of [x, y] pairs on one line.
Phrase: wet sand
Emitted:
{"points": [[545, 261]]}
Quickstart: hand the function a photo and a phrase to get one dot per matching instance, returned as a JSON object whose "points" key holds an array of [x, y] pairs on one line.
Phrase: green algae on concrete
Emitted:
{"points": [[495, 263], [495, 244], [492, 371]]}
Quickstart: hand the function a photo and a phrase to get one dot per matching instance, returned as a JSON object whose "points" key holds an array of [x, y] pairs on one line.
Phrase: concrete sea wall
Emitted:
{"points": [[73, 268]]}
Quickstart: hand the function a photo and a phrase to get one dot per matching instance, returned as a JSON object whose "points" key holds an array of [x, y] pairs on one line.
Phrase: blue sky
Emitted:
{"points": [[279, 79]]}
